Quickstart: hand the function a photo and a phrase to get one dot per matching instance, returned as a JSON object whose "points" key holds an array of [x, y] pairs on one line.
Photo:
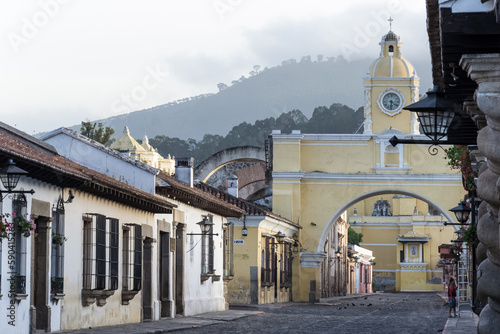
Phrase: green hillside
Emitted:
{"points": [[301, 85]]}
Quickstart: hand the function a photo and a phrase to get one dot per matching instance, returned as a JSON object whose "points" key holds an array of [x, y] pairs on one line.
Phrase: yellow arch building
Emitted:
{"points": [[319, 177]]}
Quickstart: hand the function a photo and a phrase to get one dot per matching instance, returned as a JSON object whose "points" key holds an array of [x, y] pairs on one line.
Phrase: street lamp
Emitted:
{"points": [[280, 237], [205, 226], [462, 212], [435, 114], [338, 253], [460, 233], [10, 175]]}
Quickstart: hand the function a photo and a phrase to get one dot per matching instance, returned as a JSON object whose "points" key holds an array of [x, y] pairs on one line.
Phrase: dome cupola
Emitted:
{"points": [[391, 63]]}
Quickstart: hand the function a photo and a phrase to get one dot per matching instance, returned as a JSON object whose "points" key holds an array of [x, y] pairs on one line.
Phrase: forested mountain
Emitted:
{"points": [[265, 93], [337, 118]]}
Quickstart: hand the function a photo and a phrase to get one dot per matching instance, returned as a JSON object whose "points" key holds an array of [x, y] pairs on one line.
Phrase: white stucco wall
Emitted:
{"points": [[75, 315], [113, 165], [207, 296], [20, 313]]}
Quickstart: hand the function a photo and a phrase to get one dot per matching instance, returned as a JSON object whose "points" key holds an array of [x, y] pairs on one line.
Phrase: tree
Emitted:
{"points": [[353, 237], [101, 134], [336, 119], [221, 86], [305, 59]]}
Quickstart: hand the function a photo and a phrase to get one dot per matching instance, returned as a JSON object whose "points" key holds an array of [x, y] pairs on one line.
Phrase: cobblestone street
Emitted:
{"points": [[378, 313]]}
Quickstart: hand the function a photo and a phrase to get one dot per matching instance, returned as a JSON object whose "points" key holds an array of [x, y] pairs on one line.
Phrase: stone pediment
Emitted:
{"points": [[413, 236]]}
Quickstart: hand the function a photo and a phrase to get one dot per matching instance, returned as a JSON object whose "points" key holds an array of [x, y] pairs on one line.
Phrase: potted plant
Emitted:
{"points": [[23, 223], [58, 238], [5, 226], [470, 236], [458, 158]]}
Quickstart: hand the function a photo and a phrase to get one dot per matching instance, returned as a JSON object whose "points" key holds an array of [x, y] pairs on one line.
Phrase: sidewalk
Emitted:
{"points": [[465, 323], [195, 321], [168, 324]]}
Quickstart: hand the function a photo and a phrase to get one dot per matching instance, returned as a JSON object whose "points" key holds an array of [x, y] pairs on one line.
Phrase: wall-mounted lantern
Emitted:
{"points": [[205, 226], [10, 175], [435, 114], [338, 253]]}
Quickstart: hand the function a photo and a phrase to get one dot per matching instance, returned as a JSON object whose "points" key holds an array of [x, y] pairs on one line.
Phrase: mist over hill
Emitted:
{"points": [[268, 92]]}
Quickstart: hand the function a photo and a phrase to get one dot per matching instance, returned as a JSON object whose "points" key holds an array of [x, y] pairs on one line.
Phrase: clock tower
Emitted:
{"points": [[390, 85]]}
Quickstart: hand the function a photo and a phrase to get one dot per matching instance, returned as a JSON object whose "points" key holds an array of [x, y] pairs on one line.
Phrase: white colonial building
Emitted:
{"points": [[106, 249]]}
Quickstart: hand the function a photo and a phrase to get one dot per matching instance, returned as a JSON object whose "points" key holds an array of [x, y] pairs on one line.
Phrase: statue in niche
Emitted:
{"points": [[382, 208]]}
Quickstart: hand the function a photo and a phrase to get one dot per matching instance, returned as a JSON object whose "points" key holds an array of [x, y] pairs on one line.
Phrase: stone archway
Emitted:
{"points": [[359, 198], [405, 274], [222, 158]]}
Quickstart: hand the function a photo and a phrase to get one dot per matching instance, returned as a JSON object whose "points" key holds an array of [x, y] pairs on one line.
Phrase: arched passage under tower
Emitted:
{"points": [[351, 204], [401, 229]]}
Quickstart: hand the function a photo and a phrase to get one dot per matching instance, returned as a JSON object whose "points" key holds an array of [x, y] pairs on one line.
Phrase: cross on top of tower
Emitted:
{"points": [[390, 23]]}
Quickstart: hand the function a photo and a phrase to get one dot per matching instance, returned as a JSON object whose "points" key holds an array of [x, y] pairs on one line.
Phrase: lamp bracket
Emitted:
{"points": [[217, 234], [433, 143], [11, 192]]}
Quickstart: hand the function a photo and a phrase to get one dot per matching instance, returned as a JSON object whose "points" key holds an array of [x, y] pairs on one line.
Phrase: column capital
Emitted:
{"points": [[311, 259], [42, 222], [471, 108], [482, 68]]}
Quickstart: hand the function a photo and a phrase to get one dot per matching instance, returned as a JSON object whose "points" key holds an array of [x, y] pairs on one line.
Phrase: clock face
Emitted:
{"points": [[391, 101]]}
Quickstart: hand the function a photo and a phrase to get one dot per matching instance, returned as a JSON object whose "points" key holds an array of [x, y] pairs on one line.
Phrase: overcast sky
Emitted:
{"points": [[64, 61]]}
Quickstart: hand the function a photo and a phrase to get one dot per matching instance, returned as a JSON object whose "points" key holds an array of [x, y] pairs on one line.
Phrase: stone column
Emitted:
{"points": [[42, 273], [485, 70], [147, 291], [310, 273]]}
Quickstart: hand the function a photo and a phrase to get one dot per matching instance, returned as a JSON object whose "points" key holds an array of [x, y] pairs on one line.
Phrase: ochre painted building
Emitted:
{"points": [[317, 177], [143, 152]]}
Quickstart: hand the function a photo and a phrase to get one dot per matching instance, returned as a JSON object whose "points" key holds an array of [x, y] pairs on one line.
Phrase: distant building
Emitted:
{"points": [[263, 248], [360, 269], [405, 242], [143, 152]]}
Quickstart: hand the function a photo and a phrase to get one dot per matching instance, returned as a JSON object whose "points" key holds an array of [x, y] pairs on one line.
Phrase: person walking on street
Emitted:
{"points": [[452, 301]]}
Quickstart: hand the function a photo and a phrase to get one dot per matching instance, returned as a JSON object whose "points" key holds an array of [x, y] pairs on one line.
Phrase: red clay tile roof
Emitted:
{"points": [[175, 189], [250, 209], [42, 163]]}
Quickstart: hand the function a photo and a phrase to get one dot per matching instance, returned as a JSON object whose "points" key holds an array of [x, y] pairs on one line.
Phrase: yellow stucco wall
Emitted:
{"points": [[247, 253], [330, 176]]}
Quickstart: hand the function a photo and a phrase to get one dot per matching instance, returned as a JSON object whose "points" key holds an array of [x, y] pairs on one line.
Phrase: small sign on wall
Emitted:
{"points": [[172, 244], [238, 242]]}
